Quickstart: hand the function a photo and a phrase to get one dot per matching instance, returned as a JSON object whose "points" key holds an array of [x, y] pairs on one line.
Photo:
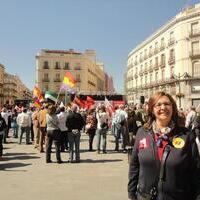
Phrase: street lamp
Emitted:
{"points": [[179, 78]]}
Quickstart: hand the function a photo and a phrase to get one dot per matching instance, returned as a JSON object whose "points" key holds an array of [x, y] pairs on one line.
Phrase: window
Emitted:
{"points": [[151, 77], [172, 54], [46, 76], [195, 48], [171, 71], [66, 67], [162, 59], [156, 61], [194, 28], [46, 65], [57, 66], [162, 42], [156, 76], [163, 74], [196, 69]]}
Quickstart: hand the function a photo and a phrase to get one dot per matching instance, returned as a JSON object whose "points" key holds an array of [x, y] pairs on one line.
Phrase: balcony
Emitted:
{"points": [[194, 54], [57, 67], [194, 33], [156, 66], [78, 80], [162, 47], [150, 68], [45, 80], [171, 60], [77, 68], [57, 80], [171, 41], [162, 64], [45, 66], [150, 54]]}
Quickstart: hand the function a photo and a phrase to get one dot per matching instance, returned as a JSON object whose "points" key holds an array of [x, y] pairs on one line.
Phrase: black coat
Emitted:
{"points": [[74, 121], [182, 172]]}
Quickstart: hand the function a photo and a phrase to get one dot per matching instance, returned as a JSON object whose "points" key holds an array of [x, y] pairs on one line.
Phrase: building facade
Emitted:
{"points": [[12, 88], [169, 60], [51, 66]]}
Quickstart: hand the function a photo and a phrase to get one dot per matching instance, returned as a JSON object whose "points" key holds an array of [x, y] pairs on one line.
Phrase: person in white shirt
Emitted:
{"points": [[62, 116], [102, 128], [190, 118], [24, 123]]}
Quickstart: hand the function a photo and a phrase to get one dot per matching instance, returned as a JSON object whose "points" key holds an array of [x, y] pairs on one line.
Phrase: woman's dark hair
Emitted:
{"points": [[51, 109], [152, 101]]}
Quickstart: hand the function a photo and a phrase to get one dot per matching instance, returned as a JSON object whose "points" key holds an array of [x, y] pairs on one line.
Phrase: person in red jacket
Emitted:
{"points": [[165, 164]]}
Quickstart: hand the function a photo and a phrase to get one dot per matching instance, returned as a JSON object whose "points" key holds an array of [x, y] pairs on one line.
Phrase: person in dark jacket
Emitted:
{"points": [[165, 163], [75, 123], [3, 127]]}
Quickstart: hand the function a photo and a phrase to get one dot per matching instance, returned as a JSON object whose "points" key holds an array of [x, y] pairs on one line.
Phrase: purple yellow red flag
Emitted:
{"points": [[69, 83]]}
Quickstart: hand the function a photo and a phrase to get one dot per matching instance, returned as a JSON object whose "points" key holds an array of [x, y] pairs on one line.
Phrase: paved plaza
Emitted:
{"points": [[24, 175]]}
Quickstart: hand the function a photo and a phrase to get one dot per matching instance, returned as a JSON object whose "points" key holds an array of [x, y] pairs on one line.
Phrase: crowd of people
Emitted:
{"points": [[162, 141]]}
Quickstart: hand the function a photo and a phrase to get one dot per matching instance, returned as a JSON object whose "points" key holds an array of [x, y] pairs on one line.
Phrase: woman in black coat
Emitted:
{"points": [[165, 163]]}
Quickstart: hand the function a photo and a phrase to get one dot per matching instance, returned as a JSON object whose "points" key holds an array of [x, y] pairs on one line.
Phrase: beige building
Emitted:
{"points": [[168, 60], [2, 69], [51, 66], [13, 89]]}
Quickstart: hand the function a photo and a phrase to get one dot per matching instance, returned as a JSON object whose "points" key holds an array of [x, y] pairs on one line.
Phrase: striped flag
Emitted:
{"points": [[68, 83]]}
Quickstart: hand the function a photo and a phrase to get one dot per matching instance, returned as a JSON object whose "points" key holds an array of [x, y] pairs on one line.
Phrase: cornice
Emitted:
{"points": [[163, 29]]}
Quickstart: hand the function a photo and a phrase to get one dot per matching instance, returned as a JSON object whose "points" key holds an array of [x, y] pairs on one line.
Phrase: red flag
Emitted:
{"points": [[79, 102], [89, 102]]}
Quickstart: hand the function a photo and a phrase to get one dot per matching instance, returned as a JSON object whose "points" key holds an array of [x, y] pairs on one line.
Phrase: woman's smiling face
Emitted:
{"points": [[163, 110]]}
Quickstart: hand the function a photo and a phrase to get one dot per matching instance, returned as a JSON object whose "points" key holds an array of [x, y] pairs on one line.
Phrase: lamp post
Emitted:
{"points": [[179, 78]]}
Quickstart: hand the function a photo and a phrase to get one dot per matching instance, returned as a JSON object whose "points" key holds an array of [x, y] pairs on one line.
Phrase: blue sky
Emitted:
{"points": [[111, 27]]}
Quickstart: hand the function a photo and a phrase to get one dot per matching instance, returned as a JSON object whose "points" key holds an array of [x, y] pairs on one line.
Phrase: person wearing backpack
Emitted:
{"points": [[3, 127]]}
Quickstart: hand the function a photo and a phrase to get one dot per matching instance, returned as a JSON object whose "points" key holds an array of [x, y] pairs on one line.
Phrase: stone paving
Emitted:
{"points": [[24, 175]]}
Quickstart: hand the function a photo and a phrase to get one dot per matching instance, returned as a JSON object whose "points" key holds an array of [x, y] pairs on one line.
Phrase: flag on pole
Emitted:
{"points": [[37, 94], [109, 107], [79, 102], [37, 103], [89, 102], [68, 83], [51, 95]]}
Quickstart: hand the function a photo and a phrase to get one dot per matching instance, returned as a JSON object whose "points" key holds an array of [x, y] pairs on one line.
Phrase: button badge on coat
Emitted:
{"points": [[178, 143], [143, 143]]}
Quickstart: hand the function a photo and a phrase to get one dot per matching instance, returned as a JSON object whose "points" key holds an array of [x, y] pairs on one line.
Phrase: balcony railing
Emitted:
{"points": [[162, 47], [45, 66], [171, 60], [57, 80], [162, 64], [77, 68], [45, 79], [194, 33], [171, 41], [194, 54], [78, 80]]}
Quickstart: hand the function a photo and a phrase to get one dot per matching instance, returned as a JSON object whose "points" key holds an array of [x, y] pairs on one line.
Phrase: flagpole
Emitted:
{"points": [[58, 96]]}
